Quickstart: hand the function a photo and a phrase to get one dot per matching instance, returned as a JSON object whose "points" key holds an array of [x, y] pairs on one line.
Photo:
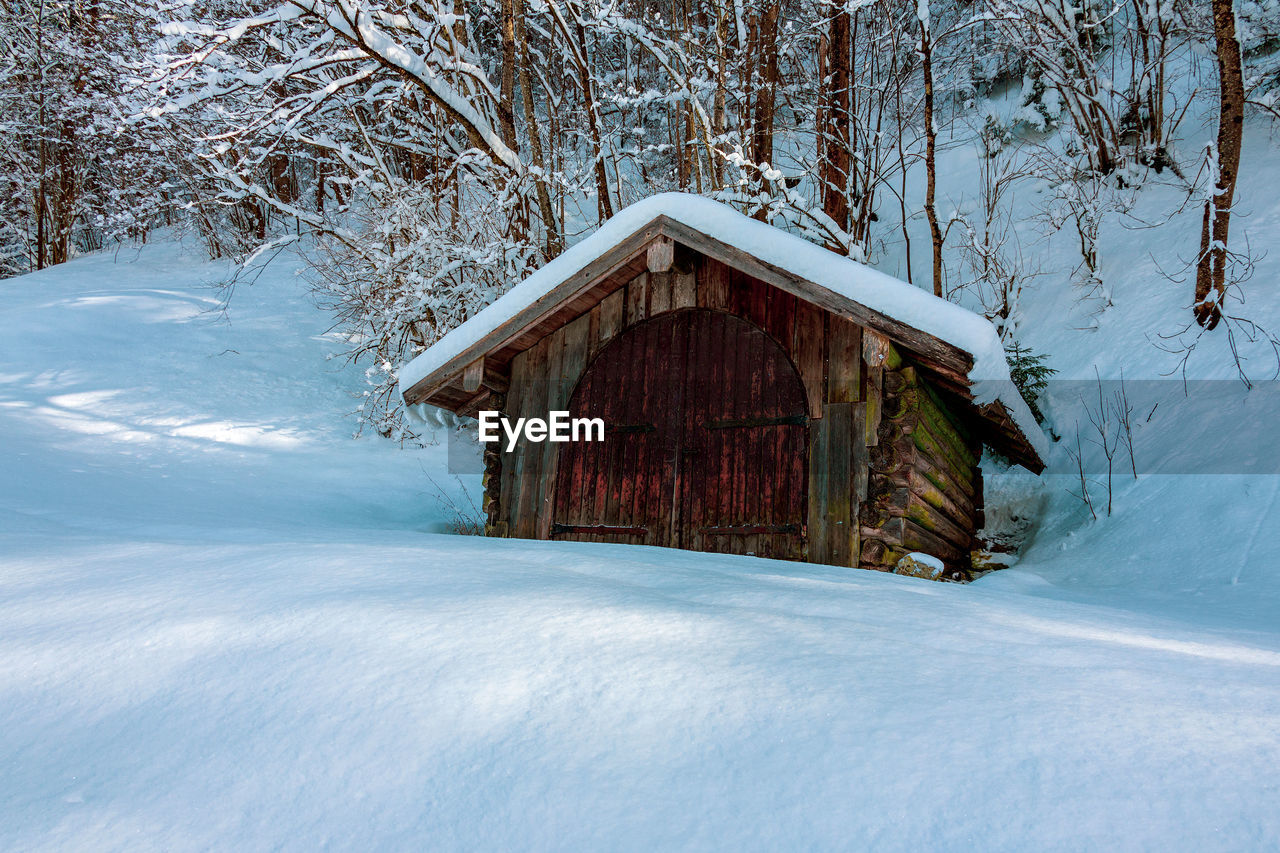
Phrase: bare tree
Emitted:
{"points": [[931, 144], [1063, 43], [991, 251], [1224, 166]]}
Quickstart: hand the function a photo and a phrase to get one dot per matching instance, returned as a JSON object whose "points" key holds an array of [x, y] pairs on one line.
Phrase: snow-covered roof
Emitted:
{"points": [[843, 277]]}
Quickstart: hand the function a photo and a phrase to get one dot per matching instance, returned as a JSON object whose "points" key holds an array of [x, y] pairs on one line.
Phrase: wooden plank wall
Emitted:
{"points": [[842, 370]]}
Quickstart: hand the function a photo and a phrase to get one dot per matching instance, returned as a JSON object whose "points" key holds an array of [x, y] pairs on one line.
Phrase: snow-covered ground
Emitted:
{"points": [[226, 624]]}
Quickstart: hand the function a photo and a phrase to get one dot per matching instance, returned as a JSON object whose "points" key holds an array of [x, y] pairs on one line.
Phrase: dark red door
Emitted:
{"points": [[705, 441]]}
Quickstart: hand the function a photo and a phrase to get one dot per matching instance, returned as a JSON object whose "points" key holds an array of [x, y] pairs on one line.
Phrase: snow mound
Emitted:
{"points": [[224, 624]]}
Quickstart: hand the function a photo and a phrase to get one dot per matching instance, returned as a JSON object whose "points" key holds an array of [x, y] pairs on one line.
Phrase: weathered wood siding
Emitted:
{"points": [[872, 494], [705, 443]]}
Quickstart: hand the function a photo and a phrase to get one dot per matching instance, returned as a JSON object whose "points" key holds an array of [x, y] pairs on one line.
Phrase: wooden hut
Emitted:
{"points": [[761, 395]]}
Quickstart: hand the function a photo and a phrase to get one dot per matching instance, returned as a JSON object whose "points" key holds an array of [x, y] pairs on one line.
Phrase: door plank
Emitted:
{"points": [[707, 439]]}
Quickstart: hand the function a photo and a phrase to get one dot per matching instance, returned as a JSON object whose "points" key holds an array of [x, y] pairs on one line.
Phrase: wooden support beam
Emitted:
{"points": [[684, 292], [473, 376], [875, 348], [494, 524], [844, 361], [472, 407], [661, 254], [637, 299], [496, 380]]}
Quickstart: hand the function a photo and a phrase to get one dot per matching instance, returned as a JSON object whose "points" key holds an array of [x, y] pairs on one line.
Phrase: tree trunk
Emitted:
{"points": [[1211, 283], [64, 208], [718, 119], [281, 178], [930, 155], [507, 103], [42, 195], [767, 67], [507, 84], [545, 210], [834, 128], [604, 203]]}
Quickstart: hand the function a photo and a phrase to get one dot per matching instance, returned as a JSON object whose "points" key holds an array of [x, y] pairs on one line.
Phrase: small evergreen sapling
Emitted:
{"points": [[1029, 374]]}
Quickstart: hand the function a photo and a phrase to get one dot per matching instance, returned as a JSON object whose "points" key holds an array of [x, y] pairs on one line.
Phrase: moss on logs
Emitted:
{"points": [[932, 520], [955, 506], [953, 473], [917, 538], [921, 413], [887, 502], [894, 455], [904, 445], [909, 400], [941, 426], [877, 553], [902, 535], [957, 422]]}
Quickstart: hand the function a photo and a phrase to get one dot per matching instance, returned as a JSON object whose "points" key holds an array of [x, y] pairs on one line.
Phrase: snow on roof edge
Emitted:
{"points": [[1006, 393], [843, 276]]}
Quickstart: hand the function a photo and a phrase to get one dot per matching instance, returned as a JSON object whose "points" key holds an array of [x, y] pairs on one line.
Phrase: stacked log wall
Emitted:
{"points": [[494, 523], [925, 487]]}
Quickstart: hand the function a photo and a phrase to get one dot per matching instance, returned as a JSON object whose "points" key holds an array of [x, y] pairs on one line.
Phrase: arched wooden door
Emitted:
{"points": [[705, 441]]}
